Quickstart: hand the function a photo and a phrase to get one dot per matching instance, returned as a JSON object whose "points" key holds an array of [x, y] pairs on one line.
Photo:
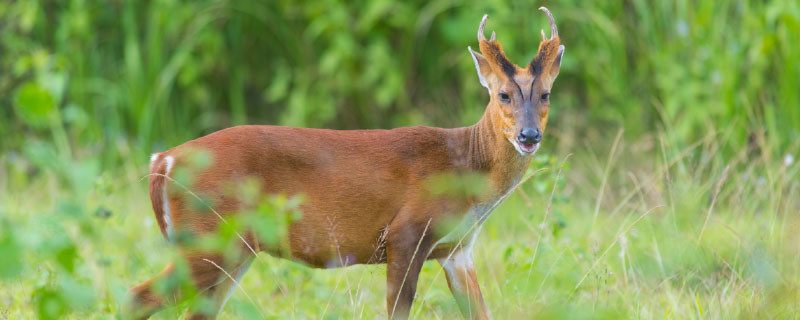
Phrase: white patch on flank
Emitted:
{"points": [[167, 213]]}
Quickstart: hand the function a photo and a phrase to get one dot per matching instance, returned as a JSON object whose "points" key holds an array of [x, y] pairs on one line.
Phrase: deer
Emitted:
{"points": [[363, 190]]}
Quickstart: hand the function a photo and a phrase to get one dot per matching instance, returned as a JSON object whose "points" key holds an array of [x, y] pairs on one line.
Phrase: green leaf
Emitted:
{"points": [[34, 105], [458, 184], [507, 253], [49, 304], [66, 257]]}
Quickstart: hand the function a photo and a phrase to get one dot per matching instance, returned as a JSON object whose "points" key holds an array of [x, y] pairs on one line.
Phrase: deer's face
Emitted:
{"points": [[519, 97]]}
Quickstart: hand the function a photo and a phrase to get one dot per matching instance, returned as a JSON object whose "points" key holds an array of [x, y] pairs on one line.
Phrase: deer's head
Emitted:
{"points": [[519, 98]]}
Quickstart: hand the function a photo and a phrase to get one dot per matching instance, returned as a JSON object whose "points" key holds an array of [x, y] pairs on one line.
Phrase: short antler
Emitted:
{"points": [[553, 29], [549, 49], [481, 36], [494, 51]]}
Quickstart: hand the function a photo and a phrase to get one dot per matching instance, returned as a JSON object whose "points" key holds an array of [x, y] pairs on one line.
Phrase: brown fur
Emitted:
{"points": [[368, 194], [545, 58], [156, 185]]}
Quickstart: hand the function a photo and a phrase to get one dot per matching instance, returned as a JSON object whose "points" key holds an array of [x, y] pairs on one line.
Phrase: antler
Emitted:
{"points": [[553, 29], [549, 49], [481, 36], [493, 51]]}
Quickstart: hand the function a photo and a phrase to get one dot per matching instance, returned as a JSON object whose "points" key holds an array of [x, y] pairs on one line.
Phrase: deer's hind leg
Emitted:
{"points": [[215, 280], [211, 276], [146, 300]]}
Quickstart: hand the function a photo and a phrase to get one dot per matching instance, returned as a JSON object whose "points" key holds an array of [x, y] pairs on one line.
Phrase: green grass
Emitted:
{"points": [[692, 215], [652, 230]]}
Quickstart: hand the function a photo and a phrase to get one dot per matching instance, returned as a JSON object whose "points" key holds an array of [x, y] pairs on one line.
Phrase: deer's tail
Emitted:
{"points": [[160, 167]]}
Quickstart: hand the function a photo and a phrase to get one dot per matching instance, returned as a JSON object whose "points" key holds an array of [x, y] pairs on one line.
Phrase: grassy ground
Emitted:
{"points": [[691, 213], [641, 228]]}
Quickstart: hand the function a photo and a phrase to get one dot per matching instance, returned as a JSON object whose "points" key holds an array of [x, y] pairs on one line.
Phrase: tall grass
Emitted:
{"points": [[156, 73], [687, 213]]}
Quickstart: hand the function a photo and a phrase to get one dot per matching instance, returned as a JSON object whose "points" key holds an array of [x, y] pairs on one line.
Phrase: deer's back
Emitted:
{"points": [[354, 182]]}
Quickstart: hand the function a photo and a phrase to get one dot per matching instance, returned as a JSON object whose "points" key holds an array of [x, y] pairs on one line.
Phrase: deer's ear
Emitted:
{"points": [[556, 63], [482, 66]]}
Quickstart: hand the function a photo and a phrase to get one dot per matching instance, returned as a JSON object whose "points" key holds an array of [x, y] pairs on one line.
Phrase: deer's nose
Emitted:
{"points": [[530, 136]]}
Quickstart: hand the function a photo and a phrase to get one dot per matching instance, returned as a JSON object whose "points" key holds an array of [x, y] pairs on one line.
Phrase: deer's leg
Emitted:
{"points": [[208, 278], [407, 248], [215, 279], [463, 284], [145, 301]]}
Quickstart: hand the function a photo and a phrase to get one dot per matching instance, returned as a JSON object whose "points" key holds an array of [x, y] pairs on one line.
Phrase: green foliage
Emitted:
{"points": [[271, 219], [689, 215], [157, 73], [34, 105], [10, 260], [458, 185]]}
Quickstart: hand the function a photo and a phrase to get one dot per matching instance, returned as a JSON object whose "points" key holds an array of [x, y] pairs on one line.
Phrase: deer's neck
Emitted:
{"points": [[488, 151]]}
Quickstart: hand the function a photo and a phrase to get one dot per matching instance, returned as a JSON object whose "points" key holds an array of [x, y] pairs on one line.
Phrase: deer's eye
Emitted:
{"points": [[504, 97], [545, 96]]}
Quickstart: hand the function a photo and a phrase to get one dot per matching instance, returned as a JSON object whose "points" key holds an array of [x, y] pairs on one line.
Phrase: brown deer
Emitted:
{"points": [[365, 190]]}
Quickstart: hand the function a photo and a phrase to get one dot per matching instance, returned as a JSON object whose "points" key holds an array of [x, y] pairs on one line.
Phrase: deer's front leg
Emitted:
{"points": [[463, 284], [407, 248]]}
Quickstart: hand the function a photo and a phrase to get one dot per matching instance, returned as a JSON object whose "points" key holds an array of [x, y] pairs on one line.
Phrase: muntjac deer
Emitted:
{"points": [[368, 196]]}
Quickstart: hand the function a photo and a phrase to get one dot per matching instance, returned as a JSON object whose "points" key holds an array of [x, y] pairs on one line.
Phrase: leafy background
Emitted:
{"points": [[670, 187]]}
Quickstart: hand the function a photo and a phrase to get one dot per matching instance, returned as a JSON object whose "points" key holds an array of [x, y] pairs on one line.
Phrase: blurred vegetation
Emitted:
{"points": [[91, 75], [708, 94]]}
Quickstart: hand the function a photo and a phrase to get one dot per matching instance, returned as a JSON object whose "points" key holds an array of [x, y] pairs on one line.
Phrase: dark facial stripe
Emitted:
{"points": [[519, 89], [530, 96], [536, 64], [508, 67]]}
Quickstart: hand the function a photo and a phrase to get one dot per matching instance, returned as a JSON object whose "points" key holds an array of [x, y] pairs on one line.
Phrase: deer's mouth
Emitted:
{"points": [[524, 149], [528, 148]]}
